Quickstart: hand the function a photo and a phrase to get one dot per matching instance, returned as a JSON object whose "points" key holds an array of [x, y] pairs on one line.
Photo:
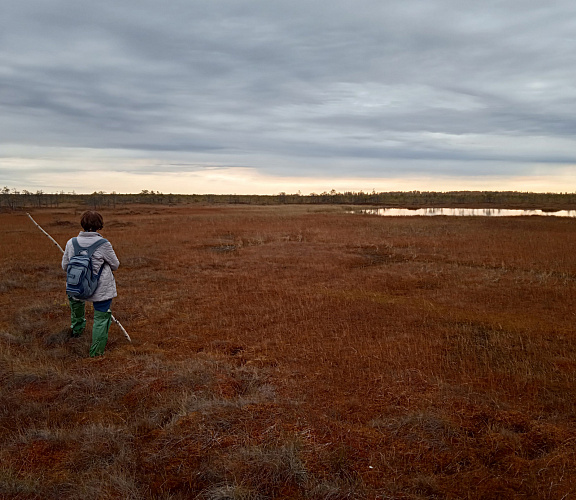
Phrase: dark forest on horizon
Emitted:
{"points": [[13, 199]]}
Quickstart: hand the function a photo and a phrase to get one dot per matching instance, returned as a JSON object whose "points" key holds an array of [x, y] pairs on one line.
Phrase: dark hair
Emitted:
{"points": [[91, 221]]}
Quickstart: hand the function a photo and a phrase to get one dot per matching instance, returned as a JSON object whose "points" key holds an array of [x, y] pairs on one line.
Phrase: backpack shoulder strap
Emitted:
{"points": [[92, 248], [76, 246], [89, 250]]}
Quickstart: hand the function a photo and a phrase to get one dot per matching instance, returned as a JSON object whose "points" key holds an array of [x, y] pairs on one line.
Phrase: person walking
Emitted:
{"points": [[103, 259]]}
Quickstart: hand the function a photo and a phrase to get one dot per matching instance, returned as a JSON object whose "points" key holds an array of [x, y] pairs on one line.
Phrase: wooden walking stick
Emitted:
{"points": [[62, 250]]}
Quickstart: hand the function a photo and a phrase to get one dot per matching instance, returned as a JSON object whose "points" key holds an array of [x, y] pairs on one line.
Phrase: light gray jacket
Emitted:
{"points": [[103, 256]]}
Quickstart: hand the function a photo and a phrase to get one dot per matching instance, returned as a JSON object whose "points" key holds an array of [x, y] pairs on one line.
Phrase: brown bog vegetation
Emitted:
{"points": [[294, 352]]}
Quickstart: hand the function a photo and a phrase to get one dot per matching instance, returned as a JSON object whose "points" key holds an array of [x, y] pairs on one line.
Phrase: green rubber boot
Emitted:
{"points": [[78, 318], [102, 322]]}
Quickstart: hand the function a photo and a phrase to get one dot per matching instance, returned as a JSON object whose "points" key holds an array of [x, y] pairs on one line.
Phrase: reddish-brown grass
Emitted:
{"points": [[294, 352]]}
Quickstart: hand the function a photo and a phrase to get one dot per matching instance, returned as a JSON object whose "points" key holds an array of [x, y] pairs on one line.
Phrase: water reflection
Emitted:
{"points": [[478, 212]]}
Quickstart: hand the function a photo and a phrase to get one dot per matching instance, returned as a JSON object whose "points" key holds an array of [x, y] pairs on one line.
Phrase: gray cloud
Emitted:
{"points": [[374, 81]]}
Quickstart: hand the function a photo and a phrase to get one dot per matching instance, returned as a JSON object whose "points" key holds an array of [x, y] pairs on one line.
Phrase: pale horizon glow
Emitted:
{"points": [[246, 181]]}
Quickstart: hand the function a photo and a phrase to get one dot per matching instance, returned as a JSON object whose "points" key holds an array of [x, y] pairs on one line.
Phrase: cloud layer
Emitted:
{"points": [[368, 89]]}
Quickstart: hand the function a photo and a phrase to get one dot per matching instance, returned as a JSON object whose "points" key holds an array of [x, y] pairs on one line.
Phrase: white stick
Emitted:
{"points": [[62, 250], [51, 239], [121, 328]]}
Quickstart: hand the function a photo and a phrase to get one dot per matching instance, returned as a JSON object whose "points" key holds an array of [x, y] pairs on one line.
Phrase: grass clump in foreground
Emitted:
{"points": [[282, 352]]}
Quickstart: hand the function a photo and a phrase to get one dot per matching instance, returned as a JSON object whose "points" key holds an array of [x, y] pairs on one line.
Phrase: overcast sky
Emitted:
{"points": [[263, 96]]}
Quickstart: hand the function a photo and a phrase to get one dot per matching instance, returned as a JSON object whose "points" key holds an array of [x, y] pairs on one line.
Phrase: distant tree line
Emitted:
{"points": [[12, 199]]}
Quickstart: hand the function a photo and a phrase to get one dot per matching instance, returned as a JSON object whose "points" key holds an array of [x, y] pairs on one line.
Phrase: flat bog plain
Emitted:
{"points": [[298, 352]]}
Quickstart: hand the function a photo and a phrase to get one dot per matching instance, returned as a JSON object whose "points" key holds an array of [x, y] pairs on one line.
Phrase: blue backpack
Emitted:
{"points": [[81, 281]]}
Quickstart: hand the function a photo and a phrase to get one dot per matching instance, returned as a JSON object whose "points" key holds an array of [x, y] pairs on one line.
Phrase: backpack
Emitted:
{"points": [[81, 282]]}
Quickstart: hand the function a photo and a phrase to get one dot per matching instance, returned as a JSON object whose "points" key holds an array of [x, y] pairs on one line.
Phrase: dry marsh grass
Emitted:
{"points": [[292, 352]]}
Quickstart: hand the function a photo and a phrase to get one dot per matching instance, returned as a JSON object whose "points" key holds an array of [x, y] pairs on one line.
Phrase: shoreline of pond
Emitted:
{"points": [[464, 212]]}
